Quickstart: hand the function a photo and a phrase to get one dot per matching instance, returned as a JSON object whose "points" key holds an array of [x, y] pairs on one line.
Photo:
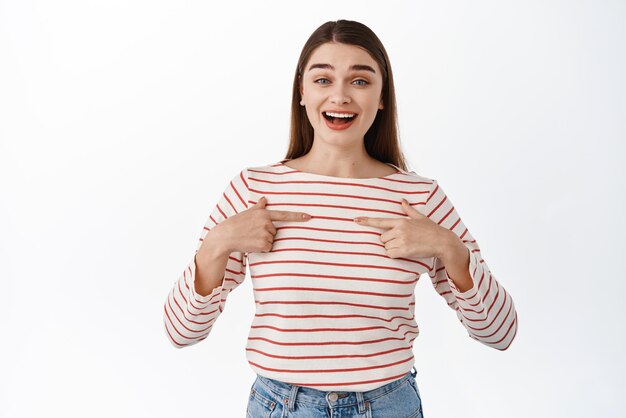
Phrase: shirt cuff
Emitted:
{"points": [[199, 300], [471, 296]]}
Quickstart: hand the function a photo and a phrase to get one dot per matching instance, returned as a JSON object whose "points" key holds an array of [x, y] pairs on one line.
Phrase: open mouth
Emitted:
{"points": [[339, 119]]}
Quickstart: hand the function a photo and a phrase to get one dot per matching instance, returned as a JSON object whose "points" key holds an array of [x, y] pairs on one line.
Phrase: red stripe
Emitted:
{"points": [[334, 316], [169, 334], [355, 185], [334, 241], [369, 266], [333, 370], [174, 327], [324, 276], [182, 311], [355, 208], [501, 339], [312, 343], [188, 321], [328, 230], [505, 321], [514, 334], [331, 329], [231, 205], [224, 216], [317, 289], [309, 302], [243, 179], [314, 250], [351, 355], [180, 291], [352, 196], [241, 199]]}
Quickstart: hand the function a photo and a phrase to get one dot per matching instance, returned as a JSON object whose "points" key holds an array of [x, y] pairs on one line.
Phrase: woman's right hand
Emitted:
{"points": [[251, 230]]}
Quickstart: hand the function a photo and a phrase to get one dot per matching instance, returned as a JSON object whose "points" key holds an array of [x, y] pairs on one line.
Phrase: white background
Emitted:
{"points": [[121, 123]]}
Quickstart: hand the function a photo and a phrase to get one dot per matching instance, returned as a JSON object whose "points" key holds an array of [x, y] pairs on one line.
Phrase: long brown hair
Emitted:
{"points": [[381, 139]]}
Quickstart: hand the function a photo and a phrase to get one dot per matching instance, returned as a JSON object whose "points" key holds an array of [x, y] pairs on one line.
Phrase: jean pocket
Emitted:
{"points": [[413, 384], [260, 403], [400, 402]]}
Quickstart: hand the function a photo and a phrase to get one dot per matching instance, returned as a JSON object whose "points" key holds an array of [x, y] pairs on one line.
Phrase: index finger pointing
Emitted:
{"points": [[285, 215], [386, 223]]}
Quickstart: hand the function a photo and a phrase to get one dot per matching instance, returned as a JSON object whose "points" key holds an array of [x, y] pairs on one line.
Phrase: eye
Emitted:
{"points": [[325, 81]]}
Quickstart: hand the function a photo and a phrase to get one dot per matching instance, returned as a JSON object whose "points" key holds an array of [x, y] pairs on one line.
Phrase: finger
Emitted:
{"points": [[269, 243], [385, 223], [285, 215], [260, 204], [389, 235], [269, 227], [410, 210]]}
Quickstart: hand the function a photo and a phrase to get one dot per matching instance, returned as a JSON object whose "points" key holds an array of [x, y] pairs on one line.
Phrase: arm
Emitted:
{"points": [[482, 305], [199, 295], [456, 259]]}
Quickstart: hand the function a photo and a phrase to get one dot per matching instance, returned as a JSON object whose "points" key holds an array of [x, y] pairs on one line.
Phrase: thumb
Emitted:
{"points": [[260, 204], [410, 210]]}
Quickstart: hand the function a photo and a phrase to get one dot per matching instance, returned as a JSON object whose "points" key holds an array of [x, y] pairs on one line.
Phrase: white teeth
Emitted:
{"points": [[340, 115]]}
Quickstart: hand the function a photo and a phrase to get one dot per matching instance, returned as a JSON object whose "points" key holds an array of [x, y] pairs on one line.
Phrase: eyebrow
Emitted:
{"points": [[356, 67]]}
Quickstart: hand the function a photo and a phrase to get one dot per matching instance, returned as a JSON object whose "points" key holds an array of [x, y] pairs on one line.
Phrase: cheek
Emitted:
{"points": [[313, 95], [374, 98], [312, 115], [313, 101]]}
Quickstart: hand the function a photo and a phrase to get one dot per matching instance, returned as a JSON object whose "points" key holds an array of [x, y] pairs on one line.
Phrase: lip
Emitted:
{"points": [[339, 111], [339, 127]]}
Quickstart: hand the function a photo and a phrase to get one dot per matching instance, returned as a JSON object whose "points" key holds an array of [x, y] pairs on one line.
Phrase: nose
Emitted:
{"points": [[338, 95]]}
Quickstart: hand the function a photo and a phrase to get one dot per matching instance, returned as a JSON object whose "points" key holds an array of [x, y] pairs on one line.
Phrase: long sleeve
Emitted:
{"points": [[486, 310], [189, 317]]}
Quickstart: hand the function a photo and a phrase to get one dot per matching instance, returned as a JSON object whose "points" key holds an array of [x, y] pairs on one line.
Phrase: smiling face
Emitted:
{"points": [[341, 79]]}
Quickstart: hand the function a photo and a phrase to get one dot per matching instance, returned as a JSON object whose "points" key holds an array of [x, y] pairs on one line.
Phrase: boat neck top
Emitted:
{"points": [[333, 310]]}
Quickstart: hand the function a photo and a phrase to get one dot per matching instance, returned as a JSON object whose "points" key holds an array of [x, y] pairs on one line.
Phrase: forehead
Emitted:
{"points": [[341, 56]]}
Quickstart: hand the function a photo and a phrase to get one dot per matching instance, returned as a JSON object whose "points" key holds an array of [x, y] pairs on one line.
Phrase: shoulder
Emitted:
{"points": [[248, 174], [414, 177], [270, 167], [420, 187], [267, 171]]}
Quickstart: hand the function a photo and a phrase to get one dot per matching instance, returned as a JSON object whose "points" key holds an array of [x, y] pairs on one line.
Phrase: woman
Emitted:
{"points": [[335, 261]]}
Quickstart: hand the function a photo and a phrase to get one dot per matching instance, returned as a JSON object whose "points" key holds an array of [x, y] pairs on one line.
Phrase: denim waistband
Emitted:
{"points": [[319, 397]]}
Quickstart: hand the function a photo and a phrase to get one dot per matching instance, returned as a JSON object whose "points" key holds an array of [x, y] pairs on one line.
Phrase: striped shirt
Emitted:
{"points": [[333, 311]]}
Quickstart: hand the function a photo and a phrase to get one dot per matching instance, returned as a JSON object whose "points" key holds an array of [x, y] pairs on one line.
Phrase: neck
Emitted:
{"points": [[338, 161]]}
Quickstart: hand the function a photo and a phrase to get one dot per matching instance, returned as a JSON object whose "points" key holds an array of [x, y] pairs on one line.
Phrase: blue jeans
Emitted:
{"points": [[275, 399]]}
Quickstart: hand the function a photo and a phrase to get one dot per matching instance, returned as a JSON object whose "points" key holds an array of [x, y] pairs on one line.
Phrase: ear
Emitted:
{"points": [[301, 89], [380, 105]]}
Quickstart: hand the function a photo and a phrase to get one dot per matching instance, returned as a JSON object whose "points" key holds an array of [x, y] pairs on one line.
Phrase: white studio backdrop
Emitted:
{"points": [[122, 122]]}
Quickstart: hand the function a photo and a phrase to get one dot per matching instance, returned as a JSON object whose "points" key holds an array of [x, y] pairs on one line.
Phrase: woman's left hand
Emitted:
{"points": [[413, 237]]}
